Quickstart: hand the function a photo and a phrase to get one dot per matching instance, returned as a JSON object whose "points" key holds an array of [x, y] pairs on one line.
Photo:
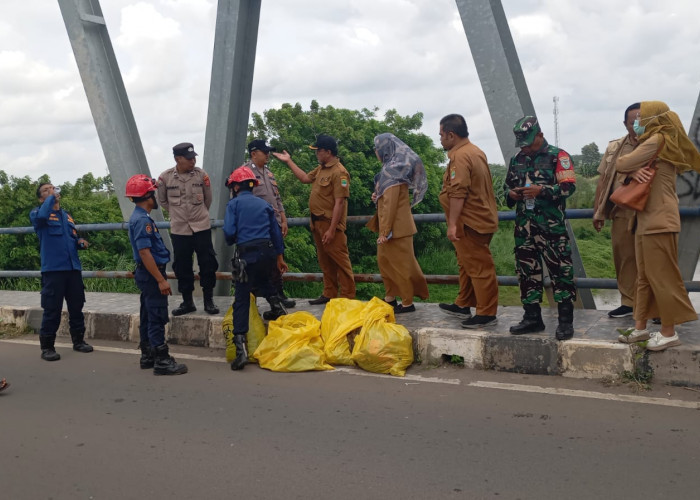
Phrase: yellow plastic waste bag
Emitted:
{"points": [[256, 331], [382, 346], [293, 344], [341, 318]]}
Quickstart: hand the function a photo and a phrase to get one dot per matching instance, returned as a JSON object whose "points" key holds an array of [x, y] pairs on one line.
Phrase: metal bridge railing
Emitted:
{"points": [[577, 213]]}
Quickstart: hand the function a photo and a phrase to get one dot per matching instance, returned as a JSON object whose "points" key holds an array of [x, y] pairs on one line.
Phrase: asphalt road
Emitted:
{"points": [[95, 426]]}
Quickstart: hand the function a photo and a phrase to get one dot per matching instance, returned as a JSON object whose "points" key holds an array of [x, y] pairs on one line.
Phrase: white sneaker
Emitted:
{"points": [[632, 335], [658, 342]]}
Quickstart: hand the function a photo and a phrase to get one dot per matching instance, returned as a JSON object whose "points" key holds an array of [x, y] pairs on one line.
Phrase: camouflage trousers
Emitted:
{"points": [[534, 246]]}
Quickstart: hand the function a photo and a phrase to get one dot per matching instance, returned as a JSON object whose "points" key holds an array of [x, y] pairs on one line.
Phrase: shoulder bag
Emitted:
{"points": [[633, 194]]}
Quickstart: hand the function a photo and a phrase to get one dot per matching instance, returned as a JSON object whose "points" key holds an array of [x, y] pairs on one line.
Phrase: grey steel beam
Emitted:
{"points": [[498, 67], [505, 89], [235, 43], [688, 188], [106, 95]]}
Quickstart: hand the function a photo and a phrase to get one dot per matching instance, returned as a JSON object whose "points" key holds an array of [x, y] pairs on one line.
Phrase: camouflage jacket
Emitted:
{"points": [[553, 169]]}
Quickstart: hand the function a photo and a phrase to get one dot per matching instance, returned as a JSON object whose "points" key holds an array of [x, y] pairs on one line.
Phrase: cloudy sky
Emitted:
{"points": [[598, 56]]}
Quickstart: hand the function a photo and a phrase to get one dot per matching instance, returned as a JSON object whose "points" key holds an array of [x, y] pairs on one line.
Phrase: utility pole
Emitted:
{"points": [[556, 120]]}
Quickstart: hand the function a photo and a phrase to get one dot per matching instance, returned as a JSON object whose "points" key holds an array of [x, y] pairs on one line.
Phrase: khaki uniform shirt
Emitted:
{"points": [[610, 180], [329, 182], [468, 176], [187, 198], [267, 188]]}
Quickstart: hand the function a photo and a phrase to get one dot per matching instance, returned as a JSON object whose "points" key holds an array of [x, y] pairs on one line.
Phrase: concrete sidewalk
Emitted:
{"points": [[593, 352]]}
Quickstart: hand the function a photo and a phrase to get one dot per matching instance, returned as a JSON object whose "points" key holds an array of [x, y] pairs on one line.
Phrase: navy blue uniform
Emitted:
{"points": [[60, 268], [250, 223], [143, 233]]}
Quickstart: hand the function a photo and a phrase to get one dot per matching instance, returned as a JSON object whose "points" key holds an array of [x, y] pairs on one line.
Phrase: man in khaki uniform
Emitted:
{"points": [[472, 218], [185, 192], [268, 190], [330, 188], [621, 234]]}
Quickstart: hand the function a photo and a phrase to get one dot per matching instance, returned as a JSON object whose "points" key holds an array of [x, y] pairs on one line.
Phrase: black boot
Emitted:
{"points": [[286, 301], [147, 360], [187, 305], [531, 322], [209, 305], [276, 308], [79, 343], [565, 329], [239, 340], [48, 352], [165, 364]]}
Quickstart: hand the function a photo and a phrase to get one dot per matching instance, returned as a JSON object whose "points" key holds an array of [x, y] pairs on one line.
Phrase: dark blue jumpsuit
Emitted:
{"points": [[143, 233], [60, 269], [250, 223]]}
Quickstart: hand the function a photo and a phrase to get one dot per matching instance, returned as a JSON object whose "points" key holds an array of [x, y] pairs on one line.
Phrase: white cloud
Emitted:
{"points": [[598, 56]]}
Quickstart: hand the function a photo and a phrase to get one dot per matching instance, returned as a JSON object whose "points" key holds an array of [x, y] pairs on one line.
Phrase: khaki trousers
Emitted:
{"points": [[478, 285], [334, 260], [660, 289], [624, 257], [400, 270]]}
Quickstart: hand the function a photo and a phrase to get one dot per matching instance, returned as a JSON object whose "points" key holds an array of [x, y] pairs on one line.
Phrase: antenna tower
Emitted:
{"points": [[556, 120]]}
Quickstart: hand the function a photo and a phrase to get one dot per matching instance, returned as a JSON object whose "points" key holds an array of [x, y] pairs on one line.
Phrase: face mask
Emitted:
{"points": [[638, 129]]}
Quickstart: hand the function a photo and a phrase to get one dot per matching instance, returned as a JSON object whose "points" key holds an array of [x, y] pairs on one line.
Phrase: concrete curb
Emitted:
{"points": [[480, 349]]}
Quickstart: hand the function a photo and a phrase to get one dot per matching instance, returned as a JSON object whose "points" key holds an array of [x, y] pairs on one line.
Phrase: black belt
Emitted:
{"points": [[254, 245], [315, 217]]}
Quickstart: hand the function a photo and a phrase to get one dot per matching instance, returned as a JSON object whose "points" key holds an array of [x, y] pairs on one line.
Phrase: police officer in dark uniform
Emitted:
{"points": [[151, 256], [61, 272], [250, 223], [539, 179]]}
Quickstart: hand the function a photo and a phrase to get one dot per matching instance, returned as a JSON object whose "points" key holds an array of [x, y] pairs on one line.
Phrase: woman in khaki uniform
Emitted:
{"points": [[401, 169], [660, 289]]}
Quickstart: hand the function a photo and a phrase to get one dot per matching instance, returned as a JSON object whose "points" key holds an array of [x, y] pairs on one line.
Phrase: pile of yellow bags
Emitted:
{"points": [[350, 332]]}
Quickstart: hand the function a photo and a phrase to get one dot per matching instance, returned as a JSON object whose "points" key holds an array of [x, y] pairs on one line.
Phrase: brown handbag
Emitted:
{"points": [[633, 194]]}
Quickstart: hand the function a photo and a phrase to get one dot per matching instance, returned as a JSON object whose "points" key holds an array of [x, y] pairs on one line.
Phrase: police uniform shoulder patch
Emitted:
{"points": [[207, 182], [452, 174], [343, 182], [149, 228]]}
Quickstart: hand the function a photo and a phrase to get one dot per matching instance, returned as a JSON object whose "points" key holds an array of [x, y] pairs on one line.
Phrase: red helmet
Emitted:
{"points": [[139, 186], [242, 174]]}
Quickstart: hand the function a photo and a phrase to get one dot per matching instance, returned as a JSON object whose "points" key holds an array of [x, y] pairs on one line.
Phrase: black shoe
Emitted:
{"points": [[165, 364], [531, 322], [455, 310], [288, 303], [479, 321], [82, 347], [49, 354], [656, 321], [185, 308], [400, 308], [392, 303], [239, 340], [621, 312], [147, 360], [565, 329], [321, 300], [209, 305]]}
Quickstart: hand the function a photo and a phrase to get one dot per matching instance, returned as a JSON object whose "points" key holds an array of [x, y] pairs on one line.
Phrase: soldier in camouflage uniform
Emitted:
{"points": [[539, 180]]}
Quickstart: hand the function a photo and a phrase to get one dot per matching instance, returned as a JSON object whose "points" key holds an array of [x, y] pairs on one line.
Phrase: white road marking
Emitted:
{"points": [[410, 379], [626, 398]]}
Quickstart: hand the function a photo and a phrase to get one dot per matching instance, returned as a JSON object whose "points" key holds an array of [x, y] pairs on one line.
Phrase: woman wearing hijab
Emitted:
{"points": [[660, 289], [401, 169]]}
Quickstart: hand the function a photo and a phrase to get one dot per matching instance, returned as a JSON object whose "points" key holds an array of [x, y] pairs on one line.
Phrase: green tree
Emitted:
{"points": [[292, 128], [589, 160]]}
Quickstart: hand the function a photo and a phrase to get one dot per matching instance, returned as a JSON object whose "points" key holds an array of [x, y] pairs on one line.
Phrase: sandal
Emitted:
{"points": [[4, 384]]}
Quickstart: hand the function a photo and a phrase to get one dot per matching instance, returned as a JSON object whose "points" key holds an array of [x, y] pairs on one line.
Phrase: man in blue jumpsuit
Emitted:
{"points": [[250, 223], [61, 272], [151, 256]]}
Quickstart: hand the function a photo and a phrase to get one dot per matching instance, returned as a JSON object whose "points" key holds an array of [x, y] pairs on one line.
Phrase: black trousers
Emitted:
{"points": [[184, 247], [56, 286]]}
